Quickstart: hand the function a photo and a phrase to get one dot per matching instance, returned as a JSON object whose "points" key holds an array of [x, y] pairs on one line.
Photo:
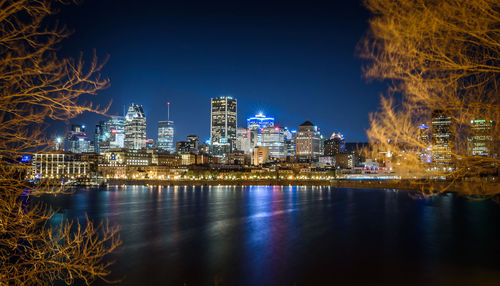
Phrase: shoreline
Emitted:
{"points": [[383, 184], [466, 188]]}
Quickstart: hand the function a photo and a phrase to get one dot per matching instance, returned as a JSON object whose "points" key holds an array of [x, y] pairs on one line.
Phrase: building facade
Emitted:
{"points": [[223, 122], [443, 138], [166, 136], [274, 139], [135, 127], [481, 141], [308, 142], [76, 140]]}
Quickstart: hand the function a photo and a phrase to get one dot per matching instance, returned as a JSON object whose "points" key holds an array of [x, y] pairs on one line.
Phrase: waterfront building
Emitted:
{"points": [[308, 142], [443, 138], [77, 140], [243, 140], [334, 145], [135, 127], [223, 122], [260, 155], [59, 166], [347, 160], [481, 141], [274, 139]]}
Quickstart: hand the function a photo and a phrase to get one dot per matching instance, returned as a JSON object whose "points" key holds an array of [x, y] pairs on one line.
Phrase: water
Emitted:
{"points": [[265, 235]]}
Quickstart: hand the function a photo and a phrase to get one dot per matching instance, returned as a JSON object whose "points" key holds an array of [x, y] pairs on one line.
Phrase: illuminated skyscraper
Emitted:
{"points": [[274, 139], [443, 138], [166, 133], [116, 129], [335, 145], [308, 141], [135, 127], [243, 140], [260, 121], [481, 142], [77, 140], [223, 122]]}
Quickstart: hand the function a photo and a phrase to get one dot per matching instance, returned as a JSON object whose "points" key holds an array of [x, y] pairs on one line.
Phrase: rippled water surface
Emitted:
{"points": [[265, 235]]}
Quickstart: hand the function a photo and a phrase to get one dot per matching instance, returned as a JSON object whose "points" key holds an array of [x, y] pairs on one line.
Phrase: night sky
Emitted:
{"points": [[291, 60]]}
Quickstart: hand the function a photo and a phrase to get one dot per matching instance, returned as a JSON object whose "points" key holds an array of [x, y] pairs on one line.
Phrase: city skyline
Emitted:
{"points": [[272, 65]]}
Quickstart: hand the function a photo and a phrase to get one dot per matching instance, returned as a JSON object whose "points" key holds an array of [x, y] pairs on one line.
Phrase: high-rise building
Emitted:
{"points": [[166, 136], [116, 129], [290, 136], [255, 125], [77, 140], [274, 139], [243, 140], [194, 142], [334, 145], [308, 141], [481, 141], [423, 137], [166, 133], [443, 138], [260, 121], [223, 122], [135, 127]]}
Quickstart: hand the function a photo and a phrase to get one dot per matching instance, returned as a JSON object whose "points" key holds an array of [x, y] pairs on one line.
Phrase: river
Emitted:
{"points": [[284, 235]]}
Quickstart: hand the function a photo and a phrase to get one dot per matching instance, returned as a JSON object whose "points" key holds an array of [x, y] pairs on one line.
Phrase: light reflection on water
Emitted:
{"points": [[285, 235]]}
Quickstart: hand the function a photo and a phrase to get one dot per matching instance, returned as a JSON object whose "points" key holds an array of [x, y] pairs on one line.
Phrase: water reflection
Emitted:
{"points": [[273, 235]]}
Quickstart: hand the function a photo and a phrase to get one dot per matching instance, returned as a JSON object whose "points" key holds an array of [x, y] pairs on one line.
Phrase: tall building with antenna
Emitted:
{"points": [[166, 133]]}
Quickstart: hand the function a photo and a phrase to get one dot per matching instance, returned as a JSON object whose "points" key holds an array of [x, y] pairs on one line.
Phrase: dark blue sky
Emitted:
{"points": [[291, 60]]}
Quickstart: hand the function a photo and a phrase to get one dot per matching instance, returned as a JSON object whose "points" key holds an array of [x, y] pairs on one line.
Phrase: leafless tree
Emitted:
{"points": [[37, 85]]}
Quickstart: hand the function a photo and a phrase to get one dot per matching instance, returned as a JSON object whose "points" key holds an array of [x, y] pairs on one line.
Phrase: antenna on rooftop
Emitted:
{"points": [[168, 110]]}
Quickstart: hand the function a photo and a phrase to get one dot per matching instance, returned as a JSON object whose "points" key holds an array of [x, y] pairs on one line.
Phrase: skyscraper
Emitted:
{"points": [[443, 138], [194, 142], [481, 142], [274, 139], [243, 140], [223, 122], [166, 133], [255, 125], [135, 127], [116, 129], [77, 140], [308, 141], [334, 145]]}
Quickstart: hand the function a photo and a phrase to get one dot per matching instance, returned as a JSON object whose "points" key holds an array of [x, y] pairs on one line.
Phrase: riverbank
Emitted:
{"points": [[471, 188]]}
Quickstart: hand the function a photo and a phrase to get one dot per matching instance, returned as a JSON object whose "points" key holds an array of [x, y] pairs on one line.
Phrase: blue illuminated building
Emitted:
{"points": [[259, 121]]}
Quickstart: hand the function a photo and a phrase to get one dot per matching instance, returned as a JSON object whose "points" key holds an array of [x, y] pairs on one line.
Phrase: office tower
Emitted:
{"points": [[424, 139], [101, 138], [194, 143], [135, 127], [115, 127], [182, 147], [255, 125], [166, 136], [223, 122], [481, 141], [290, 136], [308, 142], [443, 138], [243, 140], [334, 145], [77, 140], [274, 139], [166, 133], [260, 121]]}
